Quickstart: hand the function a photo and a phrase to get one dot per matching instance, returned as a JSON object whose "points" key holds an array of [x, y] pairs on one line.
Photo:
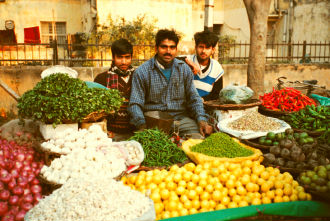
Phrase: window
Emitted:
{"points": [[50, 30]]}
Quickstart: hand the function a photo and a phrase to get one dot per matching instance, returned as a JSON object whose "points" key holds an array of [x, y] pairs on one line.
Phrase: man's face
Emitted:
{"points": [[123, 61], [166, 51], [203, 52]]}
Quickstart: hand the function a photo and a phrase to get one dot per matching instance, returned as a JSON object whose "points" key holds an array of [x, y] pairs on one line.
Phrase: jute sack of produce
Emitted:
{"points": [[199, 158]]}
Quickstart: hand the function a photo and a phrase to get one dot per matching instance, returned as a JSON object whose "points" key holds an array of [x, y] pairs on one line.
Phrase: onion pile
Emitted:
{"points": [[19, 187]]}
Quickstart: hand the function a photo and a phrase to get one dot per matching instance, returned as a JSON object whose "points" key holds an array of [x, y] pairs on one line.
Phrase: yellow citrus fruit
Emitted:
{"points": [[266, 200], [205, 196], [205, 204], [132, 179], [215, 172], [159, 207], [278, 199], [264, 175], [155, 196], [279, 192], [191, 185], [236, 198], [165, 194], [184, 198], [184, 212], [175, 213], [245, 179], [295, 183], [182, 183], [299, 188], [294, 197], [254, 178], [202, 210], [287, 191], [218, 186], [301, 195], [286, 199], [162, 185], [224, 191], [256, 201], [209, 188], [224, 177], [171, 186], [237, 172], [241, 190], [213, 204], [199, 190], [152, 186], [248, 198], [195, 204], [250, 187], [247, 170], [278, 184], [172, 205], [230, 184], [265, 187], [192, 194], [216, 195], [193, 211], [243, 203], [216, 163], [256, 187], [177, 177], [206, 166], [222, 168], [225, 200], [174, 168], [232, 192], [270, 183], [260, 181], [198, 169], [190, 167], [202, 183], [232, 177], [220, 206], [195, 178], [270, 194], [212, 180], [187, 176], [166, 215], [232, 205], [257, 195], [180, 190], [187, 204], [308, 196], [248, 163]]}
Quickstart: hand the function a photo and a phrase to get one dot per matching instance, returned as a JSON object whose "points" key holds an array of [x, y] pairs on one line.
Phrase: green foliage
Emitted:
{"points": [[59, 98], [139, 31], [225, 43]]}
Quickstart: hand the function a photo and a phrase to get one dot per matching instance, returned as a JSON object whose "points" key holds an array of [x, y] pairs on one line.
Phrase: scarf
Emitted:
{"points": [[114, 72]]}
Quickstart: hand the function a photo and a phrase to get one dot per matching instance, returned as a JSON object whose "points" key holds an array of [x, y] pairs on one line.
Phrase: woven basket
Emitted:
{"points": [[53, 185], [216, 105], [303, 88], [310, 133], [254, 143], [95, 116], [144, 168]]}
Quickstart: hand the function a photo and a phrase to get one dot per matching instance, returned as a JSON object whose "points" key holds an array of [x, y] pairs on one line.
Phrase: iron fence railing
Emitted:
{"points": [[99, 55], [300, 52]]}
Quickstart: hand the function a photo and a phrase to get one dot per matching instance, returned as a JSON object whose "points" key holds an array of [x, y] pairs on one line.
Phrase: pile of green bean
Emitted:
{"points": [[159, 150], [221, 145]]}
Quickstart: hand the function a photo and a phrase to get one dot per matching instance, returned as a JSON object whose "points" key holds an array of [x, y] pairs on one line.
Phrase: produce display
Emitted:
{"points": [[69, 140], [59, 98], [221, 145], [311, 118], [317, 179], [88, 163], [292, 150], [214, 186], [158, 149], [97, 199], [286, 99], [19, 186], [255, 122]]}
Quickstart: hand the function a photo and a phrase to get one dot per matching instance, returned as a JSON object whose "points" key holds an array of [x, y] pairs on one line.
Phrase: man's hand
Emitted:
{"points": [[205, 128], [194, 67], [142, 127]]}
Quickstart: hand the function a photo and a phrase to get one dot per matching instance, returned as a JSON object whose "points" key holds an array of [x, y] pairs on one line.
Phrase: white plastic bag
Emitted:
{"points": [[249, 134], [234, 94], [133, 151]]}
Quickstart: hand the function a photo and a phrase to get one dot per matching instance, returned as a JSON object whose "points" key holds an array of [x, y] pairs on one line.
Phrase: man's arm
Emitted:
{"points": [[214, 94], [137, 100]]}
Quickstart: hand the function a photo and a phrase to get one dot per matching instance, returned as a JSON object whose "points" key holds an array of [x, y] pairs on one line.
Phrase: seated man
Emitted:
{"points": [[119, 77], [208, 72], [165, 83]]}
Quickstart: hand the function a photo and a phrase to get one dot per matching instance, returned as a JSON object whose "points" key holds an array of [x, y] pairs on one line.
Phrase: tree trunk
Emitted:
{"points": [[257, 11]]}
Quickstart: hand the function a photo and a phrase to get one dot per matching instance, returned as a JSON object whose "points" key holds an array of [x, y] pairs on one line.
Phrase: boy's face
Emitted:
{"points": [[166, 51], [203, 52], [123, 61]]}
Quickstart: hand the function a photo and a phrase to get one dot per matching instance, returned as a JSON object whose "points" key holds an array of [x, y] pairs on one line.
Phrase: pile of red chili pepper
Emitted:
{"points": [[286, 99]]}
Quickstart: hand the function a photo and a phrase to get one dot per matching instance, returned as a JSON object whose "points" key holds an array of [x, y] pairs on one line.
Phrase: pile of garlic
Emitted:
{"points": [[89, 163], [97, 200], [69, 140]]}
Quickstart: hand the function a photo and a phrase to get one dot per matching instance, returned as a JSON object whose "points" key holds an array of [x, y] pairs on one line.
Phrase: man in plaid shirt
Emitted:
{"points": [[165, 83]]}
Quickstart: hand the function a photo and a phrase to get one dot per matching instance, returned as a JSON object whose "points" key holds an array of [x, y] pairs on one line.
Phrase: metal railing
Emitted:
{"points": [[99, 55], [300, 52], [94, 55]]}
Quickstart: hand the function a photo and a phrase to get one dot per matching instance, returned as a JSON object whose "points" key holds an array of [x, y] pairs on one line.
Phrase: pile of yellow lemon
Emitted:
{"points": [[213, 186]]}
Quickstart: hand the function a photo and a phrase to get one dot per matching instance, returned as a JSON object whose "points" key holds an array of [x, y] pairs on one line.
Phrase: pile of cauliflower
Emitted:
{"points": [[67, 141], [90, 162], [86, 199]]}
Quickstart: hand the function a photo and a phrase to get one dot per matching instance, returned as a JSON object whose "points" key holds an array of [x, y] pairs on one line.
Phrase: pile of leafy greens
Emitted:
{"points": [[58, 98]]}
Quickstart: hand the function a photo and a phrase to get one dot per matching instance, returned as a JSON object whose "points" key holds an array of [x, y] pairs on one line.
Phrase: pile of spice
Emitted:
{"points": [[255, 122], [286, 99], [221, 145]]}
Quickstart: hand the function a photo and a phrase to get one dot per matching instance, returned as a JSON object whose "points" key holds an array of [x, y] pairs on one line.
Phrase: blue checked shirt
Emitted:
{"points": [[152, 92]]}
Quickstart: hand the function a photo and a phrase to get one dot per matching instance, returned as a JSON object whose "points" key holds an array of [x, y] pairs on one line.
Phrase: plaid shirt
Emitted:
{"points": [[151, 91]]}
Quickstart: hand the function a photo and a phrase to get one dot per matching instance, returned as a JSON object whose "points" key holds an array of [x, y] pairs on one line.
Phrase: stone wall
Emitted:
{"points": [[23, 78]]}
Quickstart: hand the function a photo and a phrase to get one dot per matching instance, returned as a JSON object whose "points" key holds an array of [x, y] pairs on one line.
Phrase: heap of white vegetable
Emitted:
{"points": [[90, 163], [69, 140], [97, 200]]}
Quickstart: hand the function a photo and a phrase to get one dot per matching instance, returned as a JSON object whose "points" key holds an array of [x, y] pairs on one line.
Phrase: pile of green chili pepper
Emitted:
{"points": [[159, 150], [311, 118], [221, 145]]}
